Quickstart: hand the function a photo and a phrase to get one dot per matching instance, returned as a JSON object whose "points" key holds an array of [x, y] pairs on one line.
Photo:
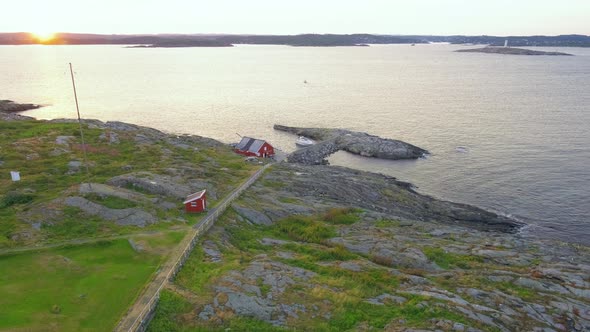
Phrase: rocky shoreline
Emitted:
{"points": [[10, 106], [330, 141], [340, 186]]}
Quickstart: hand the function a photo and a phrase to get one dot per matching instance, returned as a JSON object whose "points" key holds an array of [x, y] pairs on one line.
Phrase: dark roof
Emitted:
{"points": [[250, 144]]}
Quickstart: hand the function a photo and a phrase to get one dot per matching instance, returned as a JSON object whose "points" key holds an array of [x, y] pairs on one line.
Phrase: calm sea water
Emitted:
{"points": [[507, 133]]}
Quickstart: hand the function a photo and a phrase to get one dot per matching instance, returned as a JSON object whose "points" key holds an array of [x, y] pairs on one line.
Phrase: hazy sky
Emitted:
{"points": [[442, 17]]}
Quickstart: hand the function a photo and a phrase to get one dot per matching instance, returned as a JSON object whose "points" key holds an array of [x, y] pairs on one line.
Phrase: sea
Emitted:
{"points": [[510, 134]]}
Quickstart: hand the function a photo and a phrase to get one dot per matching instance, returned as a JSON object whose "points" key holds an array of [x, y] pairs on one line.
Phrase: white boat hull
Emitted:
{"points": [[304, 141]]}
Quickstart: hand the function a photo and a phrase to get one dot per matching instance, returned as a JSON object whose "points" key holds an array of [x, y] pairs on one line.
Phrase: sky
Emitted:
{"points": [[437, 17]]}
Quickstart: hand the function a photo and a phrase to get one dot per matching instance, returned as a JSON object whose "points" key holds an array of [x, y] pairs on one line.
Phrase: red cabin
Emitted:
{"points": [[254, 147], [196, 202]]}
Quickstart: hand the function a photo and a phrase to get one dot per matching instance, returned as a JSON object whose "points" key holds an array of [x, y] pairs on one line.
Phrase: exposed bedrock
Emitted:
{"points": [[363, 144], [328, 185], [11, 107]]}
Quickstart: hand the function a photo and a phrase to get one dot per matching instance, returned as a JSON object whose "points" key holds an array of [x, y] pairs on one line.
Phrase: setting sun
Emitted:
{"points": [[43, 36]]}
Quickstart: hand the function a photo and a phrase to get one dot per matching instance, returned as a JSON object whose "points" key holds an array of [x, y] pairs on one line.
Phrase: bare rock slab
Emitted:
{"points": [[126, 217]]}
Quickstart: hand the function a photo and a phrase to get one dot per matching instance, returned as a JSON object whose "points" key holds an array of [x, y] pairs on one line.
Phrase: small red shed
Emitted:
{"points": [[196, 202], [254, 147]]}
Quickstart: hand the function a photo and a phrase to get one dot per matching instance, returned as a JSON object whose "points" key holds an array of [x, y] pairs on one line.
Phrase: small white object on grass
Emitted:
{"points": [[15, 176]]}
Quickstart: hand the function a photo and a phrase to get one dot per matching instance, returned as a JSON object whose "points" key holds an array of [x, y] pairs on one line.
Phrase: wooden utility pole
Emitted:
{"points": [[80, 123]]}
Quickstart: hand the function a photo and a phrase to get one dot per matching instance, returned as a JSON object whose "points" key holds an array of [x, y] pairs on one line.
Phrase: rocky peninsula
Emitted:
{"points": [[307, 247], [10, 106], [511, 51], [330, 141]]}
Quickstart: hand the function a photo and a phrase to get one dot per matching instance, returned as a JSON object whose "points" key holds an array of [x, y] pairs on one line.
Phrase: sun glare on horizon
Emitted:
{"points": [[43, 36]]}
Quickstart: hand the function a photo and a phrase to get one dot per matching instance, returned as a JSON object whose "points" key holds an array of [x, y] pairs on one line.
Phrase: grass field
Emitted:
{"points": [[82, 288], [90, 287]]}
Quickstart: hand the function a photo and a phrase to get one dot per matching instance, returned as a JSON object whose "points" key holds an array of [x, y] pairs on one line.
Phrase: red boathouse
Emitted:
{"points": [[254, 147], [196, 202]]}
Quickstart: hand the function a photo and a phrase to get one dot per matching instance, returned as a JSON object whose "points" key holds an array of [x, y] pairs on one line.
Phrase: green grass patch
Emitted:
{"points": [[342, 216], [72, 229], [524, 293], [474, 279], [77, 288], [111, 202], [368, 283], [251, 324], [8, 225], [247, 239], [384, 223], [13, 198], [400, 196], [273, 184], [169, 308], [335, 253], [75, 224], [306, 229], [447, 260], [197, 273], [159, 243], [350, 314]]}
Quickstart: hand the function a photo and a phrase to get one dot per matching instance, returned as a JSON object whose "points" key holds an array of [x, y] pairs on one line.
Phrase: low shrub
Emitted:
{"points": [[342, 216], [305, 229], [13, 198]]}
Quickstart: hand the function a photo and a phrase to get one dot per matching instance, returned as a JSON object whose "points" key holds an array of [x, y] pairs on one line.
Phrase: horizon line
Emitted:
{"points": [[293, 34]]}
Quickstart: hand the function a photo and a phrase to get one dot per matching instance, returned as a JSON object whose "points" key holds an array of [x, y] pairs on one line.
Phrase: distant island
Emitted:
{"points": [[189, 43], [201, 40], [510, 51], [320, 40]]}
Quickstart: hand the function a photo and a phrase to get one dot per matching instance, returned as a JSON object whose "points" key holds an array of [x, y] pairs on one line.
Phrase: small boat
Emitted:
{"points": [[413, 44], [304, 141]]}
